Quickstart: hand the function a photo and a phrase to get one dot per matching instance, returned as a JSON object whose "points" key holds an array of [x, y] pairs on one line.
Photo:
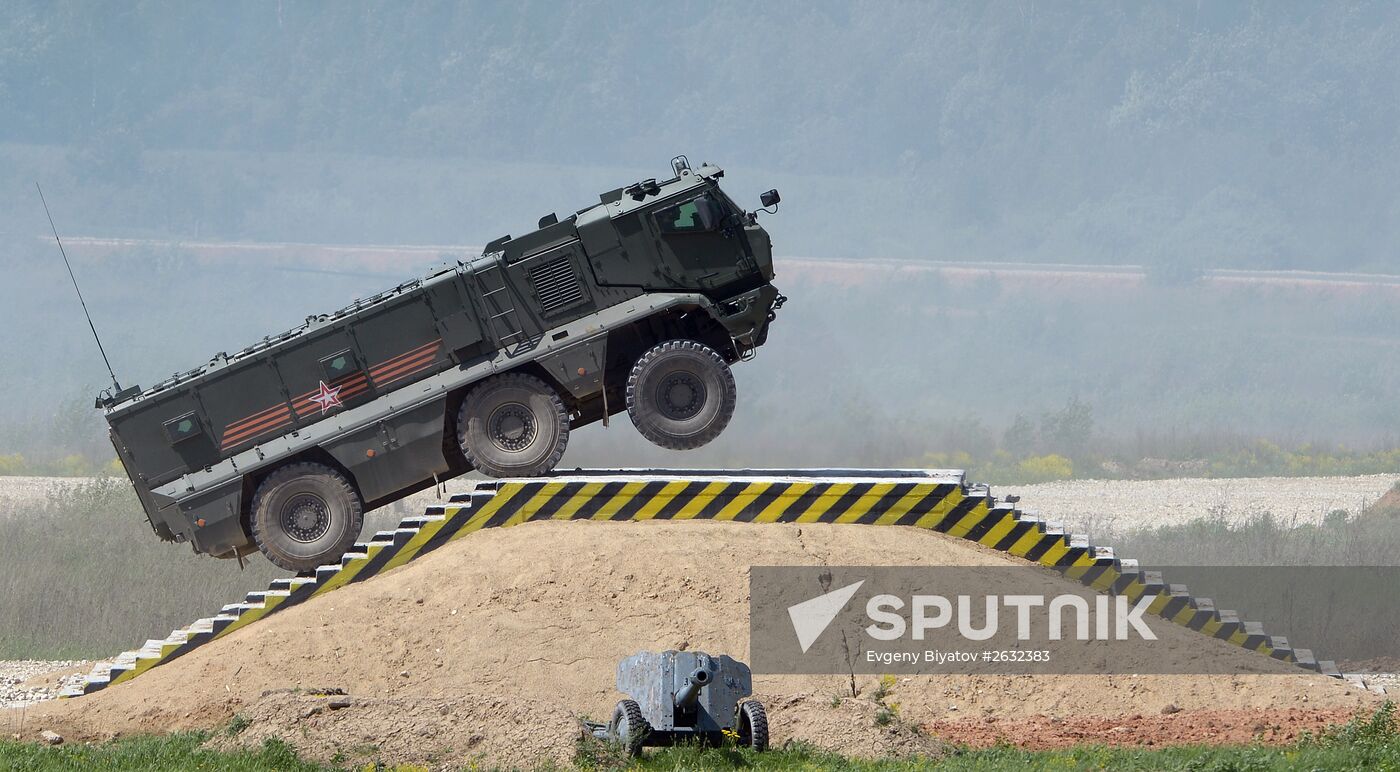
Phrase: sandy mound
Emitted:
{"points": [[443, 732], [541, 613], [847, 726]]}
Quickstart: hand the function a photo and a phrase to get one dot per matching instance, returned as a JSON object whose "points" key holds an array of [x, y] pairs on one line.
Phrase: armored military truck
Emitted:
{"points": [[640, 302]]}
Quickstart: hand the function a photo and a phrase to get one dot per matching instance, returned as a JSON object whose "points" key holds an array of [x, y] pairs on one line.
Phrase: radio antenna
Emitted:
{"points": [[81, 302]]}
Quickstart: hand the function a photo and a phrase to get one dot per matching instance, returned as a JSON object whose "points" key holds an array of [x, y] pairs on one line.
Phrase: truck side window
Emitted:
{"points": [[697, 215]]}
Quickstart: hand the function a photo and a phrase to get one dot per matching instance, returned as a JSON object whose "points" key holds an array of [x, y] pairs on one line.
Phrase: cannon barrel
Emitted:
{"points": [[688, 694]]}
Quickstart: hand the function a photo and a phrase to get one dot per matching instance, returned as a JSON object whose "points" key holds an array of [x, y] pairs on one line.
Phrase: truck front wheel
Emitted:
{"points": [[680, 394], [513, 425], [306, 515]]}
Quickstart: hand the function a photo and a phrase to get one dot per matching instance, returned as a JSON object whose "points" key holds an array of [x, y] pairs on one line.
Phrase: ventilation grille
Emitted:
{"points": [[556, 285]]}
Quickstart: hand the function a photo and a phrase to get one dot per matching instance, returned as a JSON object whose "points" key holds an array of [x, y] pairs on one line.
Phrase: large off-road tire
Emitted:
{"points": [[513, 425], [751, 722], [680, 394], [629, 727], [306, 515]]}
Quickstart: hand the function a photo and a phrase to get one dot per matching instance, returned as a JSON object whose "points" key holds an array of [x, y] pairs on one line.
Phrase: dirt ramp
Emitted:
{"points": [[543, 610], [541, 613]]}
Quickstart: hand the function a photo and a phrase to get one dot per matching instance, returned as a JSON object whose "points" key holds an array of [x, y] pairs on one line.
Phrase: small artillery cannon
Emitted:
{"points": [[684, 695]]}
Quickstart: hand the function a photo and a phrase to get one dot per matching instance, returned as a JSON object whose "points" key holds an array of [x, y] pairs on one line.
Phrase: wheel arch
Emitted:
{"points": [[457, 396], [688, 322]]}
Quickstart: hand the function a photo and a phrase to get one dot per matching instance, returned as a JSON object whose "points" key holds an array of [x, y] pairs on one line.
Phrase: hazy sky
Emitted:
{"points": [[1180, 136], [1239, 133]]}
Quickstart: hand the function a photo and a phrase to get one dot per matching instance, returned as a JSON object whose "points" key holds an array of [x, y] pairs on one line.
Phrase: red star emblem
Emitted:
{"points": [[327, 398]]}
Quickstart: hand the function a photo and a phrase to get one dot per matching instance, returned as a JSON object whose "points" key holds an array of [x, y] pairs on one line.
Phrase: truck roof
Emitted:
{"points": [[314, 322]]}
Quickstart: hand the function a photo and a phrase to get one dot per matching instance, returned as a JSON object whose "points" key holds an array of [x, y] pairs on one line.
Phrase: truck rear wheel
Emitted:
{"points": [[680, 394], [306, 515], [513, 425]]}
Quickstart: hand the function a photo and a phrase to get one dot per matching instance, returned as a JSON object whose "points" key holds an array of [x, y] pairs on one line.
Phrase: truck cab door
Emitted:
{"points": [[702, 240]]}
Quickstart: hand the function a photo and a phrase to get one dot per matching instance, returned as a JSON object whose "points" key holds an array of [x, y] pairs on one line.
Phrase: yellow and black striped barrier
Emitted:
{"points": [[934, 500]]}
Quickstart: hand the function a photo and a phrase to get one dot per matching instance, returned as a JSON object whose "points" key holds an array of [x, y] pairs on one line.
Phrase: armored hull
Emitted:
{"points": [[637, 303]]}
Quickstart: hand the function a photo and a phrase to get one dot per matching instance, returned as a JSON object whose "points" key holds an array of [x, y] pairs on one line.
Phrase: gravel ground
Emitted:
{"points": [[1120, 505], [1382, 683], [18, 492], [22, 681]]}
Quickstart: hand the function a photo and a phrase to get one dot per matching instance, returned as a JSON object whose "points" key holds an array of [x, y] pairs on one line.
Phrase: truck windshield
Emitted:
{"points": [[697, 215]]}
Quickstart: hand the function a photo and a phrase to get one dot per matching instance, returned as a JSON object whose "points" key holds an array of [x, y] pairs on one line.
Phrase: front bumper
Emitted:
{"points": [[747, 316]]}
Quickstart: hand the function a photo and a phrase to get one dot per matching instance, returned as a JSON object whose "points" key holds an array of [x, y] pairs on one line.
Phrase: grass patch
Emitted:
{"points": [[1371, 538], [176, 753], [83, 576], [1341, 751], [237, 724], [1365, 743]]}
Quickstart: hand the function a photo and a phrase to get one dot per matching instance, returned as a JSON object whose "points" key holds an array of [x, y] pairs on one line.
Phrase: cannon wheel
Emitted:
{"points": [[629, 728], [752, 721]]}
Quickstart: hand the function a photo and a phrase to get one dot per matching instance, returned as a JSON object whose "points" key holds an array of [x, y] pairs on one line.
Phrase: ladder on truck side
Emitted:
{"points": [[503, 317]]}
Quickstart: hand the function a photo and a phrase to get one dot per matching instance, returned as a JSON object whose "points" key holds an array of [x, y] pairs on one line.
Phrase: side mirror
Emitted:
{"points": [[771, 198]]}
